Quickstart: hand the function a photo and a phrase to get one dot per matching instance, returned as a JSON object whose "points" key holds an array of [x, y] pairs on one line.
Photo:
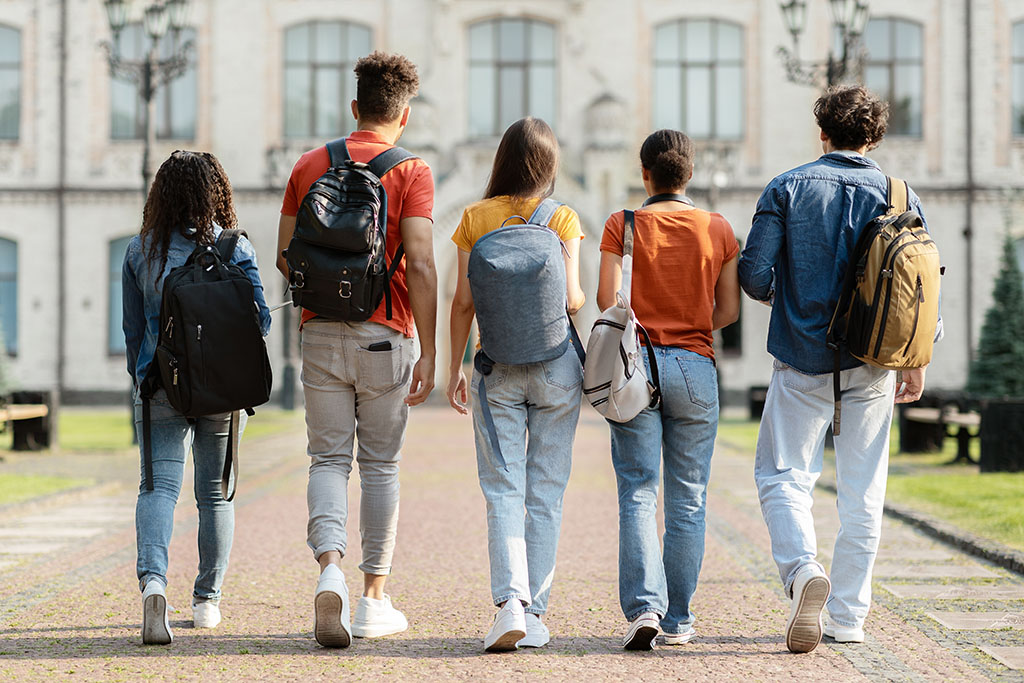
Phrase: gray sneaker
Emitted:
{"points": [[156, 628], [810, 591], [642, 632]]}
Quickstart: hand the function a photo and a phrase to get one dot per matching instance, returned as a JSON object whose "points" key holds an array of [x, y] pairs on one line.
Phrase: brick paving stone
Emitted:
{"points": [[48, 532], [936, 591], [922, 571], [979, 620], [1012, 657]]}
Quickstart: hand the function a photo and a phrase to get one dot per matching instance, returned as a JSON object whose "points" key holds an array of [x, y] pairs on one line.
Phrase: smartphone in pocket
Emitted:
{"points": [[379, 346]]}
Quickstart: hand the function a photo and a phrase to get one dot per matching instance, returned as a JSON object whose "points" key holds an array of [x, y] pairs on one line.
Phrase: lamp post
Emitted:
{"points": [[151, 72], [849, 17]]}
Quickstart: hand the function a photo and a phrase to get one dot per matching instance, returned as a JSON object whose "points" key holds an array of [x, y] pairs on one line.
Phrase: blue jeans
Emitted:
{"points": [[173, 436], [683, 427], [535, 409]]}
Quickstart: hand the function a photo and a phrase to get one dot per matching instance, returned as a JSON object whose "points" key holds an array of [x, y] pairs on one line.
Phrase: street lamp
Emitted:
{"points": [[849, 17], [151, 72]]}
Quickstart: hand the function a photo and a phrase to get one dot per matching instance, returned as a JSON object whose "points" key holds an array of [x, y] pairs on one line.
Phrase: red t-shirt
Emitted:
{"points": [[677, 257], [410, 188]]}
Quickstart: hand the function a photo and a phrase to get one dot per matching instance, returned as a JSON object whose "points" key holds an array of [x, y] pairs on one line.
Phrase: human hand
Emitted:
{"points": [[458, 394], [912, 385], [422, 381]]}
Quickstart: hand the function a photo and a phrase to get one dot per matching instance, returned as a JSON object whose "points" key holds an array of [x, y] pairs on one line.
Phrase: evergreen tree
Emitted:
{"points": [[998, 369]]}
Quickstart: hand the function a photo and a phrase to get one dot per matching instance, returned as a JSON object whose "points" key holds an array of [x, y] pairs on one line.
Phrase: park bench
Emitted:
{"points": [[953, 420], [30, 420]]}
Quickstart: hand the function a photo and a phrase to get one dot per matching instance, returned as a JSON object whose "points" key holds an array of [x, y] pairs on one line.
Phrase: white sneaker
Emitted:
{"points": [[509, 627], [843, 634], [642, 632], [679, 638], [376, 618], [205, 613], [156, 629], [810, 591], [537, 634], [330, 606]]}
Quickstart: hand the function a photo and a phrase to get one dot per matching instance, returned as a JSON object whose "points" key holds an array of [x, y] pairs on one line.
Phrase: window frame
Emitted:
{"points": [[114, 284], [891, 64], [11, 343], [16, 67], [712, 64], [500, 64], [1016, 63]]}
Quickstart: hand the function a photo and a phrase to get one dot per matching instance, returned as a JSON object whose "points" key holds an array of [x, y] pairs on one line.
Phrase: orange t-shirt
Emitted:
{"points": [[677, 257], [410, 188]]}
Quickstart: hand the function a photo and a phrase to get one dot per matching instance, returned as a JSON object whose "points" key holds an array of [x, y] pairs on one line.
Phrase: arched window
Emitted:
{"points": [[175, 103], [9, 294], [318, 81], [895, 70], [698, 78], [511, 74], [1018, 78], [115, 332], [10, 82]]}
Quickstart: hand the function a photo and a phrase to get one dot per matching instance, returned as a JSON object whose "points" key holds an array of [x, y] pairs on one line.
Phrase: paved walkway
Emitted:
{"points": [[69, 604]]}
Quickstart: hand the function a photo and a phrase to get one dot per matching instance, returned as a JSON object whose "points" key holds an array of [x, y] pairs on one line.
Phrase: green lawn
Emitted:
{"points": [[18, 487], [986, 504]]}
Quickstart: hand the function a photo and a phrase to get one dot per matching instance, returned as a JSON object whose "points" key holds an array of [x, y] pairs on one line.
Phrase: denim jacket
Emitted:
{"points": [[141, 295], [805, 227]]}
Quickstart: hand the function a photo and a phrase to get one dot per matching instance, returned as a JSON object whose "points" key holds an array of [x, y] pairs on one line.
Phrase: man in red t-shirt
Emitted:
{"points": [[355, 374]]}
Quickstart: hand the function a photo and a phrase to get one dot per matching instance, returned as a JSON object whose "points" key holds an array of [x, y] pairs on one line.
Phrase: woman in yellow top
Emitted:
{"points": [[534, 407]]}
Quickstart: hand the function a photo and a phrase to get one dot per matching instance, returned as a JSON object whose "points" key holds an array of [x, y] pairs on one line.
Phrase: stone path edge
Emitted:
{"points": [[972, 544]]}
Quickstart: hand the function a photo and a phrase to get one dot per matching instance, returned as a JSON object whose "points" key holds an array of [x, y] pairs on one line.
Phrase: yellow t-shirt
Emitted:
{"points": [[486, 215]]}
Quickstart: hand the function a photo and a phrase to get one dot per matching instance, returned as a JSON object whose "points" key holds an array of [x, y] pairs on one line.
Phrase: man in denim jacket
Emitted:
{"points": [[805, 227]]}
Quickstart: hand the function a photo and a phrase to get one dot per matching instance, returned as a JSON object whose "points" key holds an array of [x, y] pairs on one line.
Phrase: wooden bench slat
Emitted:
{"points": [[23, 412]]}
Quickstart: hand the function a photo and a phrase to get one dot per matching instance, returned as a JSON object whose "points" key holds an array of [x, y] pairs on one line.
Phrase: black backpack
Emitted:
{"points": [[337, 256], [211, 357]]}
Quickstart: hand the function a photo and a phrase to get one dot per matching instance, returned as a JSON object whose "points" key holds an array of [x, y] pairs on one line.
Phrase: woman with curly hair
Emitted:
{"points": [[189, 204]]}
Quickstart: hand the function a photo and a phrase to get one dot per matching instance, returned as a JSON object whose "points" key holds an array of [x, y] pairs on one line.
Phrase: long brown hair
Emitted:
{"points": [[191, 190], [526, 162]]}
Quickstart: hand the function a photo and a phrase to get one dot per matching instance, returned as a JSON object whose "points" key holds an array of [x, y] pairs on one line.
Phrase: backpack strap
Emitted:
{"points": [[337, 151], [379, 166], [898, 195], [484, 365], [388, 159], [227, 241], [544, 212], [231, 458]]}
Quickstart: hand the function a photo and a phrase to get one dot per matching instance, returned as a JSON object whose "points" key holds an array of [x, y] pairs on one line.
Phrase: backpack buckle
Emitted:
{"points": [[345, 289]]}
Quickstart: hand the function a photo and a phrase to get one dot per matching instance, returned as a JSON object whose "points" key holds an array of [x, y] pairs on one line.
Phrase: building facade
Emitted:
{"points": [[272, 78]]}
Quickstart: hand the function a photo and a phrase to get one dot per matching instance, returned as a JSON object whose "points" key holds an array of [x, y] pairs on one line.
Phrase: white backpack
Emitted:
{"points": [[614, 379]]}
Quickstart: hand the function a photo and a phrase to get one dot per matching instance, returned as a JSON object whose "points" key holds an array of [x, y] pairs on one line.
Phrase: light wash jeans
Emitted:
{"points": [[173, 436], [535, 409], [797, 412], [353, 393], [682, 430]]}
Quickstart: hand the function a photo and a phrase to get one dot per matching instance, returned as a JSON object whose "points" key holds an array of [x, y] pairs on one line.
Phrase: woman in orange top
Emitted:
{"points": [[684, 286]]}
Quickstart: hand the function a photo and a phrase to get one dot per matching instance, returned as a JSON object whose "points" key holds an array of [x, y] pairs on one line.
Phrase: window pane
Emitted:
{"points": [[876, 78], [481, 41], [1018, 99], [10, 102], [512, 40], [667, 97], [876, 40], [327, 42], [542, 41], [729, 102], [328, 103], [908, 40], [698, 102], [297, 101], [1018, 39], [297, 43], [905, 106], [511, 97], [666, 41], [730, 42], [1019, 248], [124, 101], [9, 294], [359, 40], [182, 93], [697, 41], [115, 332], [542, 93], [10, 45], [481, 100], [349, 83]]}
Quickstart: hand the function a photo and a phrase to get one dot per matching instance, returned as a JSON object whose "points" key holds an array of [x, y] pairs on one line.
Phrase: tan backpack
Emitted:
{"points": [[889, 305]]}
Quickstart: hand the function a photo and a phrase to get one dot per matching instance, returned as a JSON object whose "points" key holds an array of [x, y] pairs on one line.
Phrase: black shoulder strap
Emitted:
{"points": [[337, 150], [226, 243], [227, 491], [668, 197], [388, 159]]}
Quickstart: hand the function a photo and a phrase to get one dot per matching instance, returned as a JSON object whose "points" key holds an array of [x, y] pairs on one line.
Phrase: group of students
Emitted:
{"points": [[361, 378]]}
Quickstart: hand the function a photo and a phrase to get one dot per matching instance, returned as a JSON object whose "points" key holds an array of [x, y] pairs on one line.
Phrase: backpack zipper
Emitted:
{"points": [[199, 333], [888, 293], [170, 327], [917, 314]]}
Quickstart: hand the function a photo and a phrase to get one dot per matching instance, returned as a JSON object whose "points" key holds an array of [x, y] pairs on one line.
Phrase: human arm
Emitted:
{"points": [[610, 279], [727, 296], [912, 385], [574, 293], [462, 315], [285, 229], [245, 257], [764, 243], [421, 277], [133, 317]]}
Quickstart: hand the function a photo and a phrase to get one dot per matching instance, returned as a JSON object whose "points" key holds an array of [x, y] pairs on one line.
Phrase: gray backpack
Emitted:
{"points": [[517, 278]]}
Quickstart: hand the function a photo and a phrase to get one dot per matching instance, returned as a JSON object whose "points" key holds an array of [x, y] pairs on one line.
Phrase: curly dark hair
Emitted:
{"points": [[191, 190], [384, 85], [851, 116], [668, 157]]}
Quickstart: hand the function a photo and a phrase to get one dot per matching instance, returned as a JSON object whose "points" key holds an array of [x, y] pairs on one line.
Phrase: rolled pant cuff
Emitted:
{"points": [[146, 578], [535, 610], [375, 570], [510, 596], [645, 610], [326, 548]]}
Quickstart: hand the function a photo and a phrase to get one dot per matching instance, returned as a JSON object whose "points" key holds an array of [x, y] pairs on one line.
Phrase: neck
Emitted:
{"points": [[390, 131]]}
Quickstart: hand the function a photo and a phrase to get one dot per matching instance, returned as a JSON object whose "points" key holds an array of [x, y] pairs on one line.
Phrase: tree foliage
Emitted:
{"points": [[998, 368]]}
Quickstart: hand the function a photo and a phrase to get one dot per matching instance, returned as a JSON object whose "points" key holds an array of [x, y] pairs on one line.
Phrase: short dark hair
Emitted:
{"points": [[384, 85], [526, 162], [851, 116], [668, 157]]}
